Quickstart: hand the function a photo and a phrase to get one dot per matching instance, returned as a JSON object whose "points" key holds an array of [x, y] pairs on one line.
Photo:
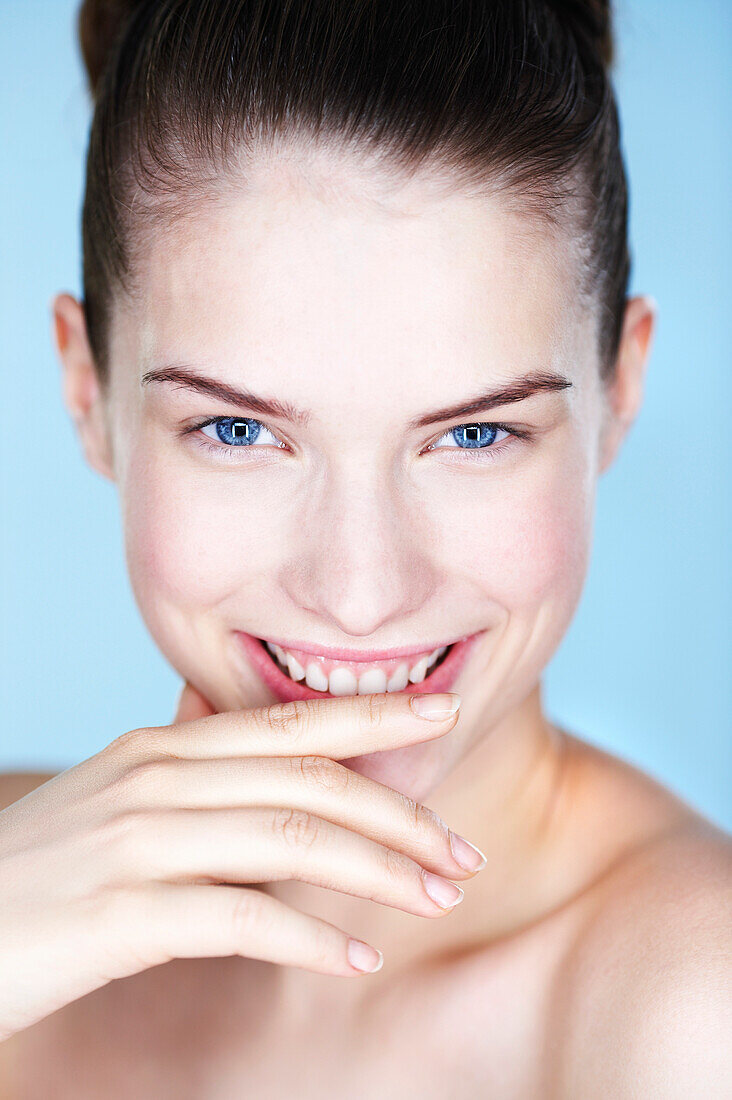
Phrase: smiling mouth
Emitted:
{"points": [[336, 677]]}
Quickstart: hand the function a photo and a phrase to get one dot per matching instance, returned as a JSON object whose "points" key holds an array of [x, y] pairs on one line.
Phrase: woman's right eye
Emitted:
{"points": [[234, 433]]}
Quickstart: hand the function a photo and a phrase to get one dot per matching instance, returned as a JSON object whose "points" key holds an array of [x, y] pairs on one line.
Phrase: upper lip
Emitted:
{"points": [[358, 654]]}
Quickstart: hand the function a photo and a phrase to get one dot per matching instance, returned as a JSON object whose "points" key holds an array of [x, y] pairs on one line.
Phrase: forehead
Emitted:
{"points": [[308, 258]]}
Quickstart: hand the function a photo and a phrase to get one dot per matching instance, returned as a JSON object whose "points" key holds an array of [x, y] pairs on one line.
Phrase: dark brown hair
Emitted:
{"points": [[503, 95]]}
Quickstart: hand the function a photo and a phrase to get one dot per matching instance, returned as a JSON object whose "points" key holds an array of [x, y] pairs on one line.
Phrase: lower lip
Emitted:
{"points": [[442, 679]]}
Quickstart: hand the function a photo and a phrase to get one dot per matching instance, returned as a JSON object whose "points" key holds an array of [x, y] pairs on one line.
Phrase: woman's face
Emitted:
{"points": [[356, 532]]}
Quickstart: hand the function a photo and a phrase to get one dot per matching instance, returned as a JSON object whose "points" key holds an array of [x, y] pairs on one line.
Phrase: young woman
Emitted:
{"points": [[355, 347]]}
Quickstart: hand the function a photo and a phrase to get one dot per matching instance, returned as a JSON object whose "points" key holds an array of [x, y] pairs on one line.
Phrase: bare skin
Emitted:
{"points": [[564, 964], [591, 929]]}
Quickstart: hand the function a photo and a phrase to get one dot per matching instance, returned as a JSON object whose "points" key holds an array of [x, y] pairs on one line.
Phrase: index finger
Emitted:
{"points": [[338, 728]]}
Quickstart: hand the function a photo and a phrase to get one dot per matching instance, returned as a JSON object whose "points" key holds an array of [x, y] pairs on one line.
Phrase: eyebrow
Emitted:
{"points": [[518, 389]]}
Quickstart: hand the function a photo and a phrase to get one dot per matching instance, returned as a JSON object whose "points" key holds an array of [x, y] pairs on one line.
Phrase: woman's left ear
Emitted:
{"points": [[624, 392], [81, 389]]}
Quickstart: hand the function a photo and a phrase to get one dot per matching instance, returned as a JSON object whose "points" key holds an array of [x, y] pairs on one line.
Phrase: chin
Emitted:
{"points": [[413, 770]]}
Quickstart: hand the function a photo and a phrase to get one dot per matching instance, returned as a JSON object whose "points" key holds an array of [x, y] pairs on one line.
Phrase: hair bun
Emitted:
{"points": [[100, 24], [591, 21]]}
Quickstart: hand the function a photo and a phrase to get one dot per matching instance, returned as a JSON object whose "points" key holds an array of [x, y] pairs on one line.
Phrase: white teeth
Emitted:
{"points": [[422, 668], [315, 678], [400, 679], [418, 672], [343, 682], [297, 672], [372, 682]]}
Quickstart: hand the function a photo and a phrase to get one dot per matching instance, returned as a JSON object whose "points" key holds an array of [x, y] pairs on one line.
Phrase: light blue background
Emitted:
{"points": [[644, 668]]}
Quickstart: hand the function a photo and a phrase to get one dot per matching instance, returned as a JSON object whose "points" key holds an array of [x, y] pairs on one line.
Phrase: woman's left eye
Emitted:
{"points": [[480, 438]]}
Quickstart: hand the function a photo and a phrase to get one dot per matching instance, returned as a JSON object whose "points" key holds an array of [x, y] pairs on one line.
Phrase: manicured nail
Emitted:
{"points": [[364, 957], [442, 891], [435, 707], [467, 855]]}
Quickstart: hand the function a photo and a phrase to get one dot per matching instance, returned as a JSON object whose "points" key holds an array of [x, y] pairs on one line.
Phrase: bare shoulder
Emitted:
{"points": [[15, 785], [644, 995]]}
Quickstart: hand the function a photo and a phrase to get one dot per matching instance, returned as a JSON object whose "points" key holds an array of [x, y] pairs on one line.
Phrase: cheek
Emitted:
{"points": [[530, 538], [546, 554], [191, 538]]}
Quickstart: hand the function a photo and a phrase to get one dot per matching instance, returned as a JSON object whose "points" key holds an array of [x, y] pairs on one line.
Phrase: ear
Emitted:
{"points": [[81, 390], [624, 392]]}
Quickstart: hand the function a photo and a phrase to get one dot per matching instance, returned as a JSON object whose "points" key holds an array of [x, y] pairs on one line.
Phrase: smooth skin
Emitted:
{"points": [[566, 970], [263, 800]]}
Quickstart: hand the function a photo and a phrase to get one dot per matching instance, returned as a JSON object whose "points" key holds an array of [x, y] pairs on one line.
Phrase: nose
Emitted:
{"points": [[361, 559]]}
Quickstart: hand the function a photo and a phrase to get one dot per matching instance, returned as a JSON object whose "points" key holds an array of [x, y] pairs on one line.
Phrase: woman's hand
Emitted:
{"points": [[136, 856]]}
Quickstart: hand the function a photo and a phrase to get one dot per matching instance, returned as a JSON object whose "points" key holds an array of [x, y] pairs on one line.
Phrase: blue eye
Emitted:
{"points": [[480, 440], [474, 436], [239, 432], [235, 432]]}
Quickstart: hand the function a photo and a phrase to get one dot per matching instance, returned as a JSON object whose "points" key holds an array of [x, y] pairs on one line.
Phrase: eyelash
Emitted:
{"points": [[481, 454]]}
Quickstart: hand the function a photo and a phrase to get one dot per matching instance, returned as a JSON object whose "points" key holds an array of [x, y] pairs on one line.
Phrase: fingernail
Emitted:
{"points": [[435, 707], [467, 855], [441, 890], [362, 956]]}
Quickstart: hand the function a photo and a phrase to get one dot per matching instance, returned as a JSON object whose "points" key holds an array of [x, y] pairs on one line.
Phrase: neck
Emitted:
{"points": [[503, 795]]}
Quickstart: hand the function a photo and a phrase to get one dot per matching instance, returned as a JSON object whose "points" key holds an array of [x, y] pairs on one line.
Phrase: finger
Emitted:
{"points": [[268, 844], [203, 921], [314, 784], [338, 728], [192, 704]]}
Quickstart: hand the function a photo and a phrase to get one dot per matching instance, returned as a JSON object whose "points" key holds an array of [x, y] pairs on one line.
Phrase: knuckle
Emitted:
{"points": [[426, 820], [131, 742], [247, 917], [376, 705], [116, 906], [297, 828], [146, 780], [323, 774], [322, 945], [411, 811], [97, 906], [395, 865], [125, 912], [123, 835], [140, 742], [292, 718]]}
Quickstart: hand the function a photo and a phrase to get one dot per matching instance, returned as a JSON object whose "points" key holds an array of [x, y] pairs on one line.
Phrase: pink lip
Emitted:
{"points": [[356, 654], [286, 689]]}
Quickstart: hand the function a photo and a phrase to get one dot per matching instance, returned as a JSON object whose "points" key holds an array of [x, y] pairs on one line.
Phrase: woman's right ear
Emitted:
{"points": [[81, 391]]}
